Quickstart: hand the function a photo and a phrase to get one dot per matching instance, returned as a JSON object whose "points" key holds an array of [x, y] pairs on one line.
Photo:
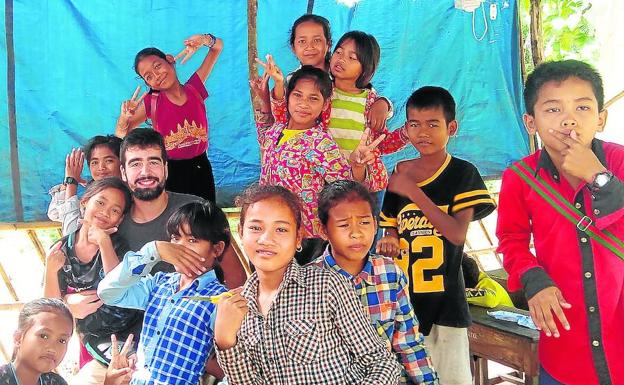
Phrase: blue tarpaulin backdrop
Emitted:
{"points": [[73, 67]]}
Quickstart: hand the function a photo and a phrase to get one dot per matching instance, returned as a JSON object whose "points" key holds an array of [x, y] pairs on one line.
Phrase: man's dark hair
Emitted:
{"points": [[433, 97], [142, 138], [559, 71]]}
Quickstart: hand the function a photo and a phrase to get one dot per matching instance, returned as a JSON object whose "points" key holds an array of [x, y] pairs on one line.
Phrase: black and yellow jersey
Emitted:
{"points": [[431, 262]]}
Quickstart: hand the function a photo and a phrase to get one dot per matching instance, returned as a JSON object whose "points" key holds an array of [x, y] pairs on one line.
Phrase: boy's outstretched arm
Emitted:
{"points": [[452, 227], [513, 231]]}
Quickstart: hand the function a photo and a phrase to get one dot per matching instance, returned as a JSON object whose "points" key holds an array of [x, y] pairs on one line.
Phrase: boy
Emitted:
{"points": [[571, 274], [481, 290], [346, 213], [426, 212], [102, 153]]}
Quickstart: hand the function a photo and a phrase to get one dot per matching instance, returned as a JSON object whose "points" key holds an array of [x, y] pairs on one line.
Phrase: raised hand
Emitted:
{"points": [[121, 366], [231, 312], [192, 44], [260, 85], [364, 153], [55, 259], [377, 115], [74, 162], [388, 246], [272, 69], [97, 235], [578, 159], [185, 260], [542, 306], [129, 107]]}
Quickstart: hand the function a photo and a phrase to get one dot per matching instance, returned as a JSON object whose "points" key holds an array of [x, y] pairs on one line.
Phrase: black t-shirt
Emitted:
{"points": [[431, 262], [7, 377], [76, 276]]}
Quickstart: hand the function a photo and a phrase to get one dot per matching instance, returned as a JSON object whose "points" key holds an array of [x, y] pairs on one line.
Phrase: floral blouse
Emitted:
{"points": [[302, 164], [376, 173]]}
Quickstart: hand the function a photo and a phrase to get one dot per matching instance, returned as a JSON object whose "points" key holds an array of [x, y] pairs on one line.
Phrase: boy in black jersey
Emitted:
{"points": [[426, 211]]}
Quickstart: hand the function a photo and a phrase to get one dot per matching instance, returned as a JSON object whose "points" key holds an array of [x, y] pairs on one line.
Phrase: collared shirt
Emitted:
{"points": [[177, 334], [590, 277], [314, 333], [382, 289]]}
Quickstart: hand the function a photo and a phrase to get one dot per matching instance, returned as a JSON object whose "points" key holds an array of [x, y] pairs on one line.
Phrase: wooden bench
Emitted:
{"points": [[504, 342]]}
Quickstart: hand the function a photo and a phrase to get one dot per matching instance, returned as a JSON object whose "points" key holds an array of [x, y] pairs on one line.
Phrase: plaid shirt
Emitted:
{"points": [[177, 334], [314, 333], [382, 288]]}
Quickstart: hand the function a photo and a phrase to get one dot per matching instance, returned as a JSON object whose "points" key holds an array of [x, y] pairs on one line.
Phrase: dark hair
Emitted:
{"points": [[320, 78], [367, 51], [256, 193], [41, 305], [110, 141], [432, 97], [340, 191], [559, 71], [205, 221], [471, 271], [142, 138], [97, 186], [150, 51], [320, 20]]}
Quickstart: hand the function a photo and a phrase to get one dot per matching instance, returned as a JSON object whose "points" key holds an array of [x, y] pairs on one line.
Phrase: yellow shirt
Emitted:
{"points": [[286, 135], [488, 293]]}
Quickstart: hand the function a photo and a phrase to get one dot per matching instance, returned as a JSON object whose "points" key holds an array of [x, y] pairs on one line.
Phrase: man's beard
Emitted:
{"points": [[148, 194]]}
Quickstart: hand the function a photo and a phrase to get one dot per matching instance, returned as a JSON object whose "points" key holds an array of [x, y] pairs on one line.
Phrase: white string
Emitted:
{"points": [[474, 33]]}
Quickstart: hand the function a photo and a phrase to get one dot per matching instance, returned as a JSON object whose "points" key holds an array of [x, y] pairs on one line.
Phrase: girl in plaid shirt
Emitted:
{"points": [[291, 324]]}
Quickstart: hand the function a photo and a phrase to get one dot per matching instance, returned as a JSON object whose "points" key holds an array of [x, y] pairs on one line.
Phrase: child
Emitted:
{"points": [[571, 274], [426, 212], [177, 333], [481, 290], [292, 324], [79, 261], [178, 112], [351, 111], [44, 328], [102, 153], [301, 156], [346, 211]]}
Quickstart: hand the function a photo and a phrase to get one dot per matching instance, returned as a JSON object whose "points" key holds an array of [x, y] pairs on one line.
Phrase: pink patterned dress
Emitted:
{"points": [[302, 164]]}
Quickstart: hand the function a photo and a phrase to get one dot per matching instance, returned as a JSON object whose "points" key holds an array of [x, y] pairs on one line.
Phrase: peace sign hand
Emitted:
{"points": [[121, 366], [364, 153], [272, 69], [129, 107]]}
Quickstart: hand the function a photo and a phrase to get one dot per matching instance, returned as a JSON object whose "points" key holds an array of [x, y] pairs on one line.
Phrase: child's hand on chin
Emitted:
{"points": [[230, 314]]}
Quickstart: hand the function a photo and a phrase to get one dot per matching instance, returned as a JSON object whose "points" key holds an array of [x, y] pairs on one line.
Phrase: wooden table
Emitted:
{"points": [[504, 342]]}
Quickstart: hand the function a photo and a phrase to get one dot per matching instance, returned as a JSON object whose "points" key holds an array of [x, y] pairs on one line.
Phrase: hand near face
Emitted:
{"points": [[272, 69], [578, 160], [55, 260], [74, 162]]}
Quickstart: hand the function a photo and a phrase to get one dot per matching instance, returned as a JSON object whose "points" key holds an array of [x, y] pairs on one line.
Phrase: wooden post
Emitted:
{"points": [[252, 48], [7, 282], [32, 234], [537, 46]]}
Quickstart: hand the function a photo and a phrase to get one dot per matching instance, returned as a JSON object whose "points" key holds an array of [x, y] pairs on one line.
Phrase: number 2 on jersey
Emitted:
{"points": [[417, 276]]}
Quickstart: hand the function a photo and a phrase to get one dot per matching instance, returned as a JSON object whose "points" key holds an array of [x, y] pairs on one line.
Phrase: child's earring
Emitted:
{"points": [[299, 248]]}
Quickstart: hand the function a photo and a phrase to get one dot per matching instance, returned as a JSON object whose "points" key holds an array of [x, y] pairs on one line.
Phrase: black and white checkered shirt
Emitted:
{"points": [[316, 332]]}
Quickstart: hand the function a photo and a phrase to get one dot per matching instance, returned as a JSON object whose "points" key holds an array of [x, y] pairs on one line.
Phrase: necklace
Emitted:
{"points": [[15, 375]]}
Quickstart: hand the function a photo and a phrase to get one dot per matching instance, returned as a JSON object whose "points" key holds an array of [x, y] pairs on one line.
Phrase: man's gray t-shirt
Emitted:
{"points": [[138, 234]]}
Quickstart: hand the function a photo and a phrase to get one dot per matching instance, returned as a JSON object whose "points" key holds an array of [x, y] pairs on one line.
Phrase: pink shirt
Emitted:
{"points": [[302, 164], [185, 127]]}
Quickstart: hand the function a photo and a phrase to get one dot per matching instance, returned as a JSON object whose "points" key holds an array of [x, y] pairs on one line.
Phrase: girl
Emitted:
{"points": [[292, 324], [177, 112], [79, 261], [299, 155], [44, 328], [177, 333], [352, 66]]}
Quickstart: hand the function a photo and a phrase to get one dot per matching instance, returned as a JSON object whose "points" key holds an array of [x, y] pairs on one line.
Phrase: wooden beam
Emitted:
{"points": [[252, 48], [537, 46], [37, 225], [34, 238], [14, 306], [614, 99], [7, 282]]}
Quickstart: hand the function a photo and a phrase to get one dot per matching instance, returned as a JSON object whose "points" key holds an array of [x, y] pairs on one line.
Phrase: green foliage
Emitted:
{"points": [[566, 31]]}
